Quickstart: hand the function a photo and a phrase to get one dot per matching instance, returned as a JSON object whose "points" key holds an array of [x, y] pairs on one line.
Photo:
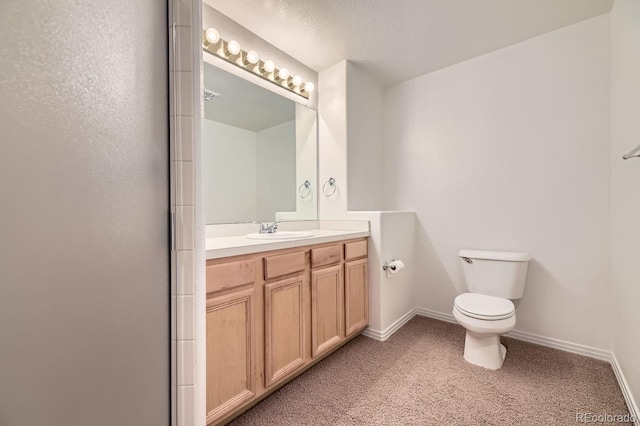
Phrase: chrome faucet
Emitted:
{"points": [[266, 228]]}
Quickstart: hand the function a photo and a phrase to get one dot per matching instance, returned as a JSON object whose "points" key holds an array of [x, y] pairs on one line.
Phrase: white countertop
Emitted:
{"points": [[218, 247]]}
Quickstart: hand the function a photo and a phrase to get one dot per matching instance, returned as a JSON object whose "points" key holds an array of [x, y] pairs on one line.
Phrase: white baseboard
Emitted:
{"points": [[423, 312], [562, 345], [372, 334], [626, 391], [388, 332], [532, 338]]}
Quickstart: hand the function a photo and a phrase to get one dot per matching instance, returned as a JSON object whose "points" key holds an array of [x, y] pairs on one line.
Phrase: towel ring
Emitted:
{"points": [[332, 184], [304, 190]]}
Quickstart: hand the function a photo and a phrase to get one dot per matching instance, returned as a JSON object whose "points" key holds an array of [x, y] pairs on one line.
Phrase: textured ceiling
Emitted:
{"points": [[394, 40], [243, 104]]}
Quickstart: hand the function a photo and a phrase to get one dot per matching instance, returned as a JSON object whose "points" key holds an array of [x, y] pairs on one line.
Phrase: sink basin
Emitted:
{"points": [[280, 235]]}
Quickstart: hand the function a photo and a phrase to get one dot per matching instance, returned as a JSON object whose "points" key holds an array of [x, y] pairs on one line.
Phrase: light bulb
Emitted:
{"points": [[233, 47], [308, 87], [283, 73], [296, 81], [212, 35], [269, 66], [252, 57]]}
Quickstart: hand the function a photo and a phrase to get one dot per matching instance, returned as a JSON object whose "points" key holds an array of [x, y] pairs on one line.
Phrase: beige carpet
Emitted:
{"points": [[418, 377]]}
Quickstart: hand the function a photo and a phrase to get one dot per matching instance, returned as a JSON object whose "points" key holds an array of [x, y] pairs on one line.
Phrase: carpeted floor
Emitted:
{"points": [[418, 377]]}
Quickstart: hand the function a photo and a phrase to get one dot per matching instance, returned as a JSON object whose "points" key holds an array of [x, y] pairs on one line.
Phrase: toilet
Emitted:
{"points": [[493, 279]]}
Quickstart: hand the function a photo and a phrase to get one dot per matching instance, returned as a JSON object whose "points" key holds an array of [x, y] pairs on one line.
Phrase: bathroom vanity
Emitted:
{"points": [[276, 303], [276, 308]]}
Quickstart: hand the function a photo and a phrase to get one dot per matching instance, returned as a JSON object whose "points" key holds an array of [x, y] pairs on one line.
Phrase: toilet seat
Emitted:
{"points": [[483, 307]]}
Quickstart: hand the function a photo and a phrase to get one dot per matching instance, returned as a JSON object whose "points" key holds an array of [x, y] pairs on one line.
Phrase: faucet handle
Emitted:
{"points": [[271, 228], [266, 227]]}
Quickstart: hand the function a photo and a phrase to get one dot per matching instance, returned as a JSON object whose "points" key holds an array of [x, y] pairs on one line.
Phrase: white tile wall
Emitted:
{"points": [[184, 55], [184, 227], [174, 317], [174, 278], [183, 12], [184, 85], [174, 403], [184, 177], [186, 396], [184, 134], [174, 371], [186, 363], [184, 265], [186, 326], [182, 107]]}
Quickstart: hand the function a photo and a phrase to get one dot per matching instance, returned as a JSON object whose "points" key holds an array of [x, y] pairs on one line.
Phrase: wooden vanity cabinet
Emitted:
{"points": [[327, 309], [356, 287], [285, 321], [356, 300], [272, 315], [327, 298], [231, 347]]}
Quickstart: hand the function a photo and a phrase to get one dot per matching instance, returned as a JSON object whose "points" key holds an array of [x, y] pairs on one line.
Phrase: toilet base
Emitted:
{"points": [[484, 350]]}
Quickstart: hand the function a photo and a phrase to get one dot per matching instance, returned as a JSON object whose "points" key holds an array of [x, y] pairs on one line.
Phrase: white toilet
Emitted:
{"points": [[492, 278]]}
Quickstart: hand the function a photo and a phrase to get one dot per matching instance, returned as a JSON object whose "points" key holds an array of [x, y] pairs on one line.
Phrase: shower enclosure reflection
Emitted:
{"points": [[258, 149]]}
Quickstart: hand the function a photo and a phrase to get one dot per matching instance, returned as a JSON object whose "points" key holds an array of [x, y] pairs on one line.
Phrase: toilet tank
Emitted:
{"points": [[495, 273]]}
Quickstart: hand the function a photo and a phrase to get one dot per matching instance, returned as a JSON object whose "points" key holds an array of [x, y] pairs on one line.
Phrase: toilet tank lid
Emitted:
{"points": [[510, 256]]}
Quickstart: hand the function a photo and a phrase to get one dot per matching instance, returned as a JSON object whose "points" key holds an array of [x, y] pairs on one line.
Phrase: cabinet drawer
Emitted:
{"points": [[229, 275], [355, 250], [277, 266], [326, 256]]}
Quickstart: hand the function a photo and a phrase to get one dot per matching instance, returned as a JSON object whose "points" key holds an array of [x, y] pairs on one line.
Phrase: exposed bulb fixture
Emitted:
{"points": [[296, 81], [212, 35], [233, 47], [283, 74], [250, 61], [269, 66], [252, 57]]}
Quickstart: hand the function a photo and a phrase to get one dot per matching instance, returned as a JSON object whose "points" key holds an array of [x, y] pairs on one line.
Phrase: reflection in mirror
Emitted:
{"points": [[259, 153]]}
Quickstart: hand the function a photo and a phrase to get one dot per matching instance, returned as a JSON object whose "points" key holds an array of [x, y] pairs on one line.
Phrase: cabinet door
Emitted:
{"points": [[327, 309], [283, 327], [356, 296], [230, 352]]}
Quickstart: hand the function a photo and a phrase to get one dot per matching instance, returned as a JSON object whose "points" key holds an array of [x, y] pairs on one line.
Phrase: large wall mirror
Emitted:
{"points": [[259, 153]]}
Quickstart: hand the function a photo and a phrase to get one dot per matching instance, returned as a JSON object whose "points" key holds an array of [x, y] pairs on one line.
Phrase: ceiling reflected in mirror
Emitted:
{"points": [[239, 103]]}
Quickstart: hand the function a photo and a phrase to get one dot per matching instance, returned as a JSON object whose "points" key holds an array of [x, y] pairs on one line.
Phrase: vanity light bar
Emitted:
{"points": [[250, 61]]}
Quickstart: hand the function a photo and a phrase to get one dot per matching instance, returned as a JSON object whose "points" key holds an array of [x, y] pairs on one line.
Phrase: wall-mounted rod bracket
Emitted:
{"points": [[632, 153], [387, 265]]}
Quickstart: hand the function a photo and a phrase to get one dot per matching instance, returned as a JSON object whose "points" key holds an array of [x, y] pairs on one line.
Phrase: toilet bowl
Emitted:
{"points": [[485, 318]]}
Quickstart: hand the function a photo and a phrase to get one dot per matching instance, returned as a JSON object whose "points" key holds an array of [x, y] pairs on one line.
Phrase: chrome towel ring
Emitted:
{"points": [[304, 190], [328, 192]]}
